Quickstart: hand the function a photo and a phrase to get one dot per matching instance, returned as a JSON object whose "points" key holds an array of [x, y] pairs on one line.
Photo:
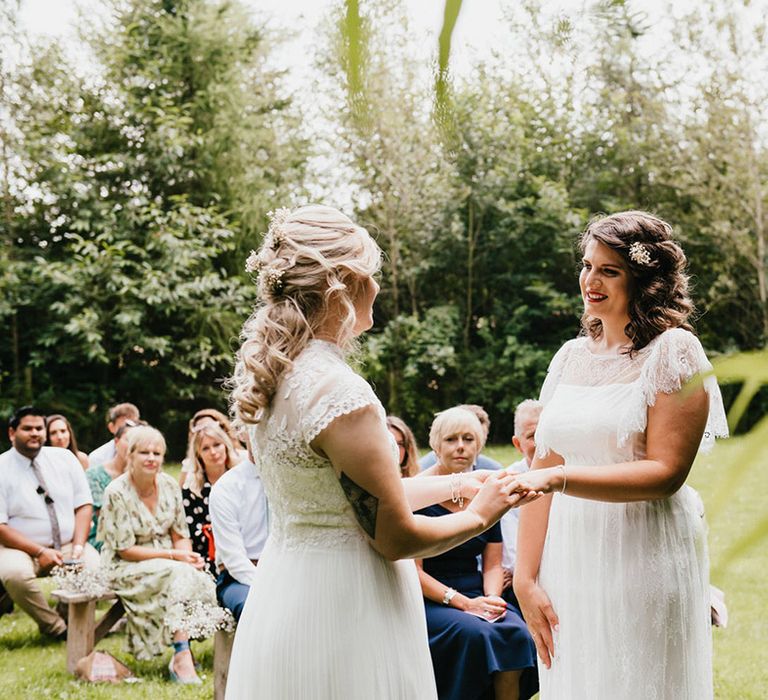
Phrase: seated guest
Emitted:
{"points": [[407, 456], [100, 476], [479, 644], [149, 556], [481, 461], [238, 510], [60, 434], [211, 453], [207, 416], [45, 512], [117, 416], [526, 421]]}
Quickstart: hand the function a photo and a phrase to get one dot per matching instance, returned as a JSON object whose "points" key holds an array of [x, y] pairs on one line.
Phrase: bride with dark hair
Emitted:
{"points": [[612, 571], [335, 610]]}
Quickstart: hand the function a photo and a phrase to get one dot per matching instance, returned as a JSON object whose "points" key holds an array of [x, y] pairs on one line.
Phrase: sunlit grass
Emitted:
{"points": [[33, 668]]}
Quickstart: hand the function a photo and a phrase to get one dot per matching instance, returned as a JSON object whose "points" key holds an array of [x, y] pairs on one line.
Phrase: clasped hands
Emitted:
{"points": [[188, 557], [528, 485]]}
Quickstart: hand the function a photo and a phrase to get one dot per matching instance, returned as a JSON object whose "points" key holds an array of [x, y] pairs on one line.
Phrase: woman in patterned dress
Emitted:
{"points": [[149, 556], [212, 453]]}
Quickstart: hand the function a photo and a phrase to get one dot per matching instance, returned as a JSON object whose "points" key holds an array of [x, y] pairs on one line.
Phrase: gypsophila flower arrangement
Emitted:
{"points": [[78, 579], [198, 619], [194, 609]]}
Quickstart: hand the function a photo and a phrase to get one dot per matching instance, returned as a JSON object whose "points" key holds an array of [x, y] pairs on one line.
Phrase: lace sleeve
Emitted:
{"points": [[555, 372], [335, 396], [678, 358]]}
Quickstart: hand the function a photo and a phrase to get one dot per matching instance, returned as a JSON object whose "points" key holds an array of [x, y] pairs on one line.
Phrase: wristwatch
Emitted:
{"points": [[448, 595]]}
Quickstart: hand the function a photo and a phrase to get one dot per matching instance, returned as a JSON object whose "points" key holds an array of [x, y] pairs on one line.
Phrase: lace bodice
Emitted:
{"points": [[307, 506], [607, 397]]}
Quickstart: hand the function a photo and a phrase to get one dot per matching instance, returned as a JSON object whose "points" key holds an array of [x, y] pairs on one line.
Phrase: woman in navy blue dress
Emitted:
{"points": [[480, 645]]}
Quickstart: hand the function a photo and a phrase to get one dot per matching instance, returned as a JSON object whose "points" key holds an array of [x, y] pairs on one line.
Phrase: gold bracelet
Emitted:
{"points": [[565, 477], [170, 554]]}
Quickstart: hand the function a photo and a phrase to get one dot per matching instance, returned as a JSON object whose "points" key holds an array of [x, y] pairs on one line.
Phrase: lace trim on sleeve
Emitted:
{"points": [[551, 380], [347, 395], [677, 358]]}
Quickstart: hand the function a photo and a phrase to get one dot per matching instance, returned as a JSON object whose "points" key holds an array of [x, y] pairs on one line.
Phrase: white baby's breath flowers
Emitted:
{"points": [[272, 279], [253, 263], [639, 254], [196, 613], [78, 579]]}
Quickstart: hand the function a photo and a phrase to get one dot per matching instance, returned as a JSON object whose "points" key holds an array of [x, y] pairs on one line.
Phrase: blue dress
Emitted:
{"points": [[466, 650]]}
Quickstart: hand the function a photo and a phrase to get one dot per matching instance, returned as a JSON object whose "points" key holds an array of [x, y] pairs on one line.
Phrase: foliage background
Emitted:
{"points": [[130, 196]]}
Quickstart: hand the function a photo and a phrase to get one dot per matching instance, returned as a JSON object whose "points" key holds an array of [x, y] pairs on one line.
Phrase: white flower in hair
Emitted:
{"points": [[278, 217], [253, 262], [272, 279], [639, 254]]}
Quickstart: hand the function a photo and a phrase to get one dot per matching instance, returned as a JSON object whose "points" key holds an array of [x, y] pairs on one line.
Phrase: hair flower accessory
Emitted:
{"points": [[275, 237], [639, 254], [278, 217], [272, 280], [253, 263]]}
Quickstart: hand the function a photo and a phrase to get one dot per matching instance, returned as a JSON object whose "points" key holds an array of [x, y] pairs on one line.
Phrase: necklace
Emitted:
{"points": [[151, 492]]}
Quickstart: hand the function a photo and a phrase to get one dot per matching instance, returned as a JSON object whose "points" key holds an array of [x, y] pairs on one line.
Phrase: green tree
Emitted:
{"points": [[151, 180]]}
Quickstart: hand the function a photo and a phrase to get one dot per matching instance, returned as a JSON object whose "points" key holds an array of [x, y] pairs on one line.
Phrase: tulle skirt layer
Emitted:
{"points": [[630, 585], [332, 624]]}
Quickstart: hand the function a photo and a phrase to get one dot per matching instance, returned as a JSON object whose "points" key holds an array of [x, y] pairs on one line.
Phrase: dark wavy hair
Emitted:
{"points": [[659, 294]]}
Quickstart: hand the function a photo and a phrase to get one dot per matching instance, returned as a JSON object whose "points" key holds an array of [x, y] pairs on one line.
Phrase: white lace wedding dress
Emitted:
{"points": [[629, 581], [327, 616]]}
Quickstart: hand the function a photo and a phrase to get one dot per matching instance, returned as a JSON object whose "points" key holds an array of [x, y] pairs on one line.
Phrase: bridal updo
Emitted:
{"points": [[310, 259], [657, 265]]}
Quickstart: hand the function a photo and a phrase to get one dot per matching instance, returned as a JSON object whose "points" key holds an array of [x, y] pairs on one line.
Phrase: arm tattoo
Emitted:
{"points": [[364, 504]]}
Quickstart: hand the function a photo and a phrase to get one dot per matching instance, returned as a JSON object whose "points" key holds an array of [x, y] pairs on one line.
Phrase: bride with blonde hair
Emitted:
{"points": [[335, 610]]}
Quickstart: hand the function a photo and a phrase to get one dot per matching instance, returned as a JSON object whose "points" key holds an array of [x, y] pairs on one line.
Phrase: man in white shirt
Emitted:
{"points": [[45, 515], [117, 417], [526, 421], [238, 509]]}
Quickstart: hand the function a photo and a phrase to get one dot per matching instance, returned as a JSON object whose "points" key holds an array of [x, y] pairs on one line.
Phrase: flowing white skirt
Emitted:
{"points": [[630, 585], [332, 624]]}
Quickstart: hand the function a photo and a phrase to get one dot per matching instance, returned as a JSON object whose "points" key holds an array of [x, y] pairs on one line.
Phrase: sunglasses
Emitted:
{"points": [[45, 495]]}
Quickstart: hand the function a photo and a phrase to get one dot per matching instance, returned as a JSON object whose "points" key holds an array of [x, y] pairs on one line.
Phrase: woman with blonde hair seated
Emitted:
{"points": [[211, 453], [149, 556], [480, 645], [201, 418]]}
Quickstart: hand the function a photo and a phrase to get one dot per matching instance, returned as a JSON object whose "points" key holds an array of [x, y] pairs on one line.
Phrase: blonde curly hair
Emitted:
{"points": [[311, 258]]}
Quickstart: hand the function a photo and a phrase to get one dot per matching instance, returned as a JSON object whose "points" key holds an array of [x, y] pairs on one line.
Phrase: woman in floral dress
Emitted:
{"points": [[149, 557]]}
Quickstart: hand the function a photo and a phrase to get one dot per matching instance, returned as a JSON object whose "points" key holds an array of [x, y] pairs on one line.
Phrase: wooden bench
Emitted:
{"points": [[83, 633], [222, 650]]}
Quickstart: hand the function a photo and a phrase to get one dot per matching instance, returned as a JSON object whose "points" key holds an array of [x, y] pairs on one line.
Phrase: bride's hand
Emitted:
{"points": [[496, 497], [545, 480], [540, 617]]}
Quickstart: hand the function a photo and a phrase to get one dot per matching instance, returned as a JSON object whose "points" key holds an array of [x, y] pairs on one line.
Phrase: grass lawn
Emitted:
{"points": [[31, 668]]}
